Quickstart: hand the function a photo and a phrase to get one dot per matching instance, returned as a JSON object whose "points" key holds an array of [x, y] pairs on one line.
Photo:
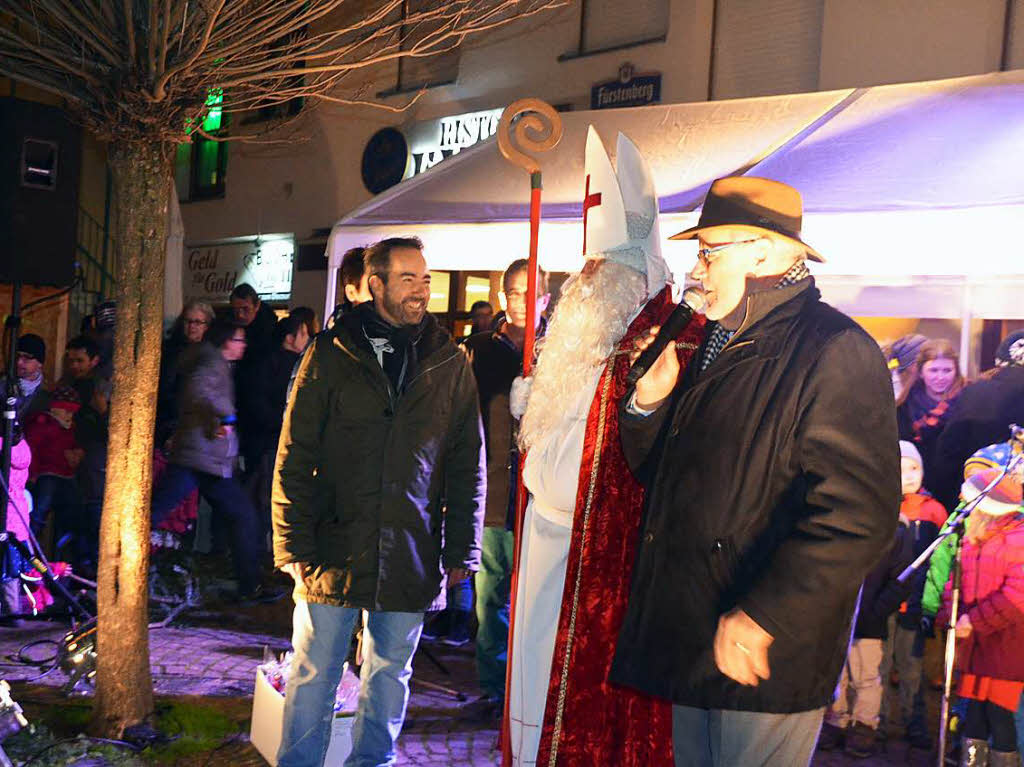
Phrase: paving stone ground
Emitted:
{"points": [[211, 654]]}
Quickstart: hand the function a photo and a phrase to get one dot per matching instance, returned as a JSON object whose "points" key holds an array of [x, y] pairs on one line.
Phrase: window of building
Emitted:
{"points": [[283, 110], [608, 25], [766, 47], [427, 71], [200, 165]]}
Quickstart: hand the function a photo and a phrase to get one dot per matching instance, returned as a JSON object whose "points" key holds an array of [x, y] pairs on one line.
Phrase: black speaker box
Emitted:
{"points": [[40, 161]]}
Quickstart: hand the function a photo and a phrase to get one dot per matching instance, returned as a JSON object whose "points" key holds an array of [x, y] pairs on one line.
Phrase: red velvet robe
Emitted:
{"points": [[587, 721]]}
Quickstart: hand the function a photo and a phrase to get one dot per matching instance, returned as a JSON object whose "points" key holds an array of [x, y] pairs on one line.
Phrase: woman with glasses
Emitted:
{"points": [[188, 329], [204, 449]]}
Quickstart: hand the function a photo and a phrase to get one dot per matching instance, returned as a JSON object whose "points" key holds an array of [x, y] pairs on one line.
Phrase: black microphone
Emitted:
{"points": [[693, 302]]}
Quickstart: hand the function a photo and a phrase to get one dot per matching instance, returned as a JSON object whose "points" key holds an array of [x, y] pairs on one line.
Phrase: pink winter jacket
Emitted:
{"points": [[993, 597], [21, 458]]}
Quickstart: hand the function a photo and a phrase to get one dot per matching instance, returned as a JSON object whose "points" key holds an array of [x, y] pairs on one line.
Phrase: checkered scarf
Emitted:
{"points": [[719, 337]]}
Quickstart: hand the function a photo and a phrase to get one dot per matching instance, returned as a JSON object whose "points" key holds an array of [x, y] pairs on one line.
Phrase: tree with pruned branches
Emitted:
{"points": [[139, 75]]}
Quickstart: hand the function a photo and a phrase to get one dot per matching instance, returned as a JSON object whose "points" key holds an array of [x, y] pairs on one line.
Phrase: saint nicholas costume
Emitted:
{"points": [[583, 518]]}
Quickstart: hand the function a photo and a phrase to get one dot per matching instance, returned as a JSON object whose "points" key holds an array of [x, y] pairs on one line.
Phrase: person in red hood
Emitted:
{"points": [[55, 457], [990, 629]]}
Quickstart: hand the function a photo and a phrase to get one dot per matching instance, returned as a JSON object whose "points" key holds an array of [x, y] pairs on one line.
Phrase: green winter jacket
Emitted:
{"points": [[939, 567], [376, 492]]}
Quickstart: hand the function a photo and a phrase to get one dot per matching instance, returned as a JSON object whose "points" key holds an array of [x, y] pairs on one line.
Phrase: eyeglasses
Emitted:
{"points": [[196, 322], [704, 254]]}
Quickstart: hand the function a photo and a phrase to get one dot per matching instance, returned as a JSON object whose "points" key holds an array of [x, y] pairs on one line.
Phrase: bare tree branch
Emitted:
{"points": [[138, 64], [129, 26]]}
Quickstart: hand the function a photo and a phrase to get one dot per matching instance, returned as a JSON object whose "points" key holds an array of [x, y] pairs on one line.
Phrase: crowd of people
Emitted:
{"points": [[682, 598], [954, 434], [712, 557], [221, 397], [58, 467]]}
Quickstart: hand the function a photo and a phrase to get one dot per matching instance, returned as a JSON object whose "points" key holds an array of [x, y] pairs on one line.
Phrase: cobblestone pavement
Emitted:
{"points": [[211, 655]]}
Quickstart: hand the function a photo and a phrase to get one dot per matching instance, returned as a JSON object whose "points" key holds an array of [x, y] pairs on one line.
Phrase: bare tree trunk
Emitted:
{"points": [[124, 693]]}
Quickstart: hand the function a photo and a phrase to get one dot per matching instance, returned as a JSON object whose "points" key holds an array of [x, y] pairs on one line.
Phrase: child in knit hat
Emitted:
{"points": [[990, 627], [905, 647]]}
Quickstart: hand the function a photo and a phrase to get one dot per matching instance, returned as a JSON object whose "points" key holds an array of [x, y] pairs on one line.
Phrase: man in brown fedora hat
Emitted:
{"points": [[773, 481]]}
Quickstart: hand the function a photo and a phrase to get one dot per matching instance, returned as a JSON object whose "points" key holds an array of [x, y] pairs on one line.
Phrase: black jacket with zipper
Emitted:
{"points": [[773, 485], [376, 492]]}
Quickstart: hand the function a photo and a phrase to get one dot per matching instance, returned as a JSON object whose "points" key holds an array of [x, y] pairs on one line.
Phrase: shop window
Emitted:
{"points": [[607, 25], [440, 293], [477, 289]]}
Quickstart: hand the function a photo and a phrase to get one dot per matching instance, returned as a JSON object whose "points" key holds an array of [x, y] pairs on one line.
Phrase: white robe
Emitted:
{"points": [[551, 474]]}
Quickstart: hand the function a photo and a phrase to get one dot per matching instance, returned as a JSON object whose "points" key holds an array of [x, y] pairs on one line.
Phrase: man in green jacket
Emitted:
{"points": [[378, 492]]}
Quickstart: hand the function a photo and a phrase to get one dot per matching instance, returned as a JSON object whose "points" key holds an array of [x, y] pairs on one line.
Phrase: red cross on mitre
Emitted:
{"points": [[589, 201]]}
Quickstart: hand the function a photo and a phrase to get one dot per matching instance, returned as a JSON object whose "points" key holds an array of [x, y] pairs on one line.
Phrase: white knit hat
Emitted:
{"points": [[909, 450]]}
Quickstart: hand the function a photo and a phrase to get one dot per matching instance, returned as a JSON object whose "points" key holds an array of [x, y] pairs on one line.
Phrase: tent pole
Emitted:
{"points": [[966, 362]]}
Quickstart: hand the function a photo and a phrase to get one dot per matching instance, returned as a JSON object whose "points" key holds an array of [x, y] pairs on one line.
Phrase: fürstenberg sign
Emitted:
{"points": [[432, 141]]}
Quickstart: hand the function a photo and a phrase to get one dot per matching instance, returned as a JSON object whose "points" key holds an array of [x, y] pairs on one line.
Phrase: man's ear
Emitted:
{"points": [[376, 285], [350, 293]]}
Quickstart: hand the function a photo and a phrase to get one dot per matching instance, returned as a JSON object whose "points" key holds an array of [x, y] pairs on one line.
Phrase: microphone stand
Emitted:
{"points": [[955, 524]]}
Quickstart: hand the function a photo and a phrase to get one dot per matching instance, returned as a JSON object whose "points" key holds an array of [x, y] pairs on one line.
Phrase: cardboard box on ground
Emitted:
{"points": [[268, 715]]}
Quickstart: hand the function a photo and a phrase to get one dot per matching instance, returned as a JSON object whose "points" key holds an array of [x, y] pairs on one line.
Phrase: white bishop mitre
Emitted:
{"points": [[620, 211]]}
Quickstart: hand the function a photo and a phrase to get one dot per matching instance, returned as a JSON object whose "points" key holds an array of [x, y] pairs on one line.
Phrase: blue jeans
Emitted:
{"points": [[321, 637], [717, 738], [493, 587]]}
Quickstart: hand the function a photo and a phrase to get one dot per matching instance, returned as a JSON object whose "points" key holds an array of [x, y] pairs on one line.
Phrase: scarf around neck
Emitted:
{"points": [[394, 346]]}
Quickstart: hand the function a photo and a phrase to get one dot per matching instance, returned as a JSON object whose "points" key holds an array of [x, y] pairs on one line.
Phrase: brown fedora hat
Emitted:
{"points": [[758, 204]]}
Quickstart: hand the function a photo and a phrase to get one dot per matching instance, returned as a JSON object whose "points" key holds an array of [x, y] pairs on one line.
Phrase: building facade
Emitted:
{"points": [[254, 202]]}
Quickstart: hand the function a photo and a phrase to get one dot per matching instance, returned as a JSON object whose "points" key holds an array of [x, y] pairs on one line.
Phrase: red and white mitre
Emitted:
{"points": [[620, 211]]}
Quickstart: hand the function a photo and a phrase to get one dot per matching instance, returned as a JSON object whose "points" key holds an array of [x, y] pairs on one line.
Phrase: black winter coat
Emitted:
{"points": [[774, 485], [980, 416], [376, 492], [882, 592], [496, 363]]}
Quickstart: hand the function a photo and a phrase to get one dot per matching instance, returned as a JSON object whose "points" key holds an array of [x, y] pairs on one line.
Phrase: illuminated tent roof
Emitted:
{"points": [[910, 186]]}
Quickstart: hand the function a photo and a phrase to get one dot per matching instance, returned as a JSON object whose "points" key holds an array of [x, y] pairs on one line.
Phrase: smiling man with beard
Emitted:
{"points": [[585, 506], [378, 491]]}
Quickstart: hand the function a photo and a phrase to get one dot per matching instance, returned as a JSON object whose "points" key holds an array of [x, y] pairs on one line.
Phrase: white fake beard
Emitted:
{"points": [[592, 316]]}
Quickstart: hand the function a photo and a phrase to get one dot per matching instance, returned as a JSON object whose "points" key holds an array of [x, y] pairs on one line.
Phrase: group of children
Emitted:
{"points": [[896, 618]]}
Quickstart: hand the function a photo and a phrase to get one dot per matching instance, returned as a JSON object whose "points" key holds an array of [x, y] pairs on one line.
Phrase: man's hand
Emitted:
{"points": [[660, 378], [741, 648], [294, 569], [457, 575], [963, 627]]}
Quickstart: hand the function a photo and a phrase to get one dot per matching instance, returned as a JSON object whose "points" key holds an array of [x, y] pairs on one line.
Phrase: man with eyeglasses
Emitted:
{"points": [[773, 480]]}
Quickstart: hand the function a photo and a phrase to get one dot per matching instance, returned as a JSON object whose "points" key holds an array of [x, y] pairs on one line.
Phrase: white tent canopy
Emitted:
{"points": [[910, 191]]}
